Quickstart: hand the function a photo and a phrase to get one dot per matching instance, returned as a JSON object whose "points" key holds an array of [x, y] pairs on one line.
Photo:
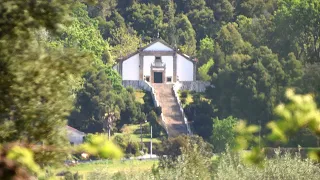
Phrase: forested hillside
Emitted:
{"points": [[250, 50]]}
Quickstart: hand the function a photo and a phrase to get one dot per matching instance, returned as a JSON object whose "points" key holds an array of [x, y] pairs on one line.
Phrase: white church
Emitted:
{"points": [[157, 62], [162, 70]]}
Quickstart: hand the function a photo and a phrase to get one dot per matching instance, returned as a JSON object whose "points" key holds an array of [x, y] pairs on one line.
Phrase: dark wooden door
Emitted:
{"points": [[157, 77]]}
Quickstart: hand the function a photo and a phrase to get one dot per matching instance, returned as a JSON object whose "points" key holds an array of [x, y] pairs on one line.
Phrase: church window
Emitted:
{"points": [[158, 59]]}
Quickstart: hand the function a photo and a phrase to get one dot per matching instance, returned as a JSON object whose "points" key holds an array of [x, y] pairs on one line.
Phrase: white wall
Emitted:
{"points": [[75, 138], [168, 60], [158, 46], [184, 69], [147, 61], [130, 68]]}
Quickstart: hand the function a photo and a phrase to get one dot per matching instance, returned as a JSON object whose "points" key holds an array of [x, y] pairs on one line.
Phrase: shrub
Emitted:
{"points": [[223, 134], [146, 128], [130, 89], [230, 166], [172, 147], [133, 148], [98, 174], [194, 164], [157, 110], [69, 176], [102, 174], [196, 98], [184, 94], [183, 101], [120, 141], [202, 124]]}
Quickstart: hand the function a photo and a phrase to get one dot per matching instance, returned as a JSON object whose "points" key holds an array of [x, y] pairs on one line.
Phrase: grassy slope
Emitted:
{"points": [[133, 131]]}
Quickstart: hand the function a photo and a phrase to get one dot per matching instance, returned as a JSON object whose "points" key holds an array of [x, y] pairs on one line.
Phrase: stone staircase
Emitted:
{"points": [[170, 109]]}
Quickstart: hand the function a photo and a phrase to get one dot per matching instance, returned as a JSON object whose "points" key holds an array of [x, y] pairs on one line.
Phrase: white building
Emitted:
{"points": [[75, 136], [157, 62]]}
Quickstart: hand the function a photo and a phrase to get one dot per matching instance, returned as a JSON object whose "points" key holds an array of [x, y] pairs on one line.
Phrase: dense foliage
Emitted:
{"points": [[299, 113], [228, 166], [36, 83], [223, 135], [40, 71]]}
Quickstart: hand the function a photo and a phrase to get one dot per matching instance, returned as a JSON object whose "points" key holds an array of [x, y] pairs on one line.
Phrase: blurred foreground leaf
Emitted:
{"points": [[24, 157], [98, 145]]}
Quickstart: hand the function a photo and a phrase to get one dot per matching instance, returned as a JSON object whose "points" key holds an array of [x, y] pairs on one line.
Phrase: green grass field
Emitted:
{"points": [[111, 166], [133, 131]]}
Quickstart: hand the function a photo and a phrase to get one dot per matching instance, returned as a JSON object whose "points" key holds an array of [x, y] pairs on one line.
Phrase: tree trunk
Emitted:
{"points": [[141, 135], [109, 133]]}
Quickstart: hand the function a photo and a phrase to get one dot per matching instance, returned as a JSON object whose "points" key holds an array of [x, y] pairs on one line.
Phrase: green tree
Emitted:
{"points": [[173, 147], [223, 133], [204, 71], [186, 35], [124, 42], [293, 70], [185, 6], [145, 19], [230, 40], [298, 113], [83, 34], [253, 81], [223, 9], [251, 8], [202, 21], [200, 113], [36, 82], [109, 111], [310, 81], [193, 163], [302, 36], [92, 99], [206, 51], [257, 31], [115, 21], [101, 8], [169, 34], [131, 114]]}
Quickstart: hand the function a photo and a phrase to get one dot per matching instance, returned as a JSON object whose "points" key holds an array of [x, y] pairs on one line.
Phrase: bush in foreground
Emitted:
{"points": [[228, 166]]}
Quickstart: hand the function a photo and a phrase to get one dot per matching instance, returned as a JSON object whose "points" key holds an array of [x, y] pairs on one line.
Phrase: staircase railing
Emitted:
{"points": [[175, 90]]}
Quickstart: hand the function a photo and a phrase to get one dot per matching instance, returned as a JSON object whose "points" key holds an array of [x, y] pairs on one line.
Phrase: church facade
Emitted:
{"points": [[157, 62]]}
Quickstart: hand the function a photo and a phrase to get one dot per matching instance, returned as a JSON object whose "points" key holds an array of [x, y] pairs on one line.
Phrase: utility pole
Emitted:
{"points": [[260, 134], [141, 136], [151, 142]]}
